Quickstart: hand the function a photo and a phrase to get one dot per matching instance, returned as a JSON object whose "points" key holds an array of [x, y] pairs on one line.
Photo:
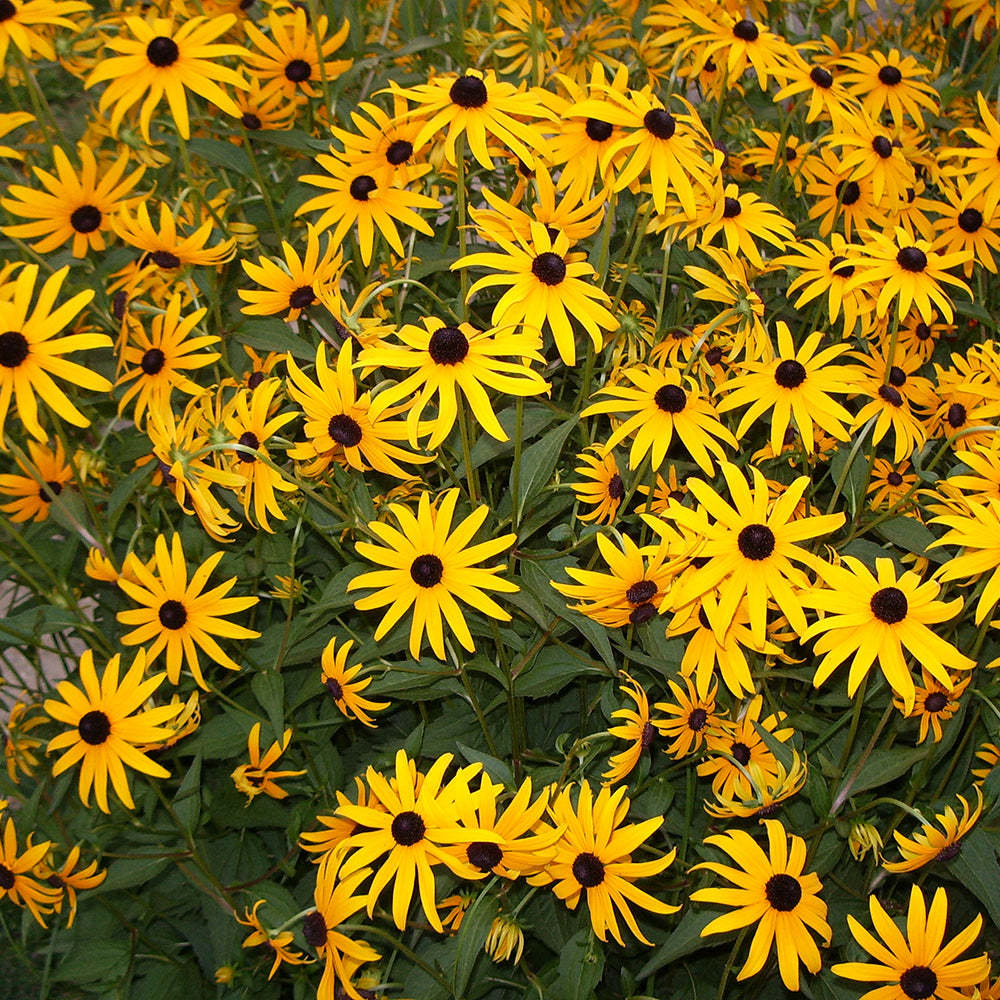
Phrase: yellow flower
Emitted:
{"points": [[257, 777]]}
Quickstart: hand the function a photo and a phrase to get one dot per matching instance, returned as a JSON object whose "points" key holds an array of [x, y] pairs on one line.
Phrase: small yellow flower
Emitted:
{"points": [[505, 939], [257, 776], [225, 974], [864, 837]]}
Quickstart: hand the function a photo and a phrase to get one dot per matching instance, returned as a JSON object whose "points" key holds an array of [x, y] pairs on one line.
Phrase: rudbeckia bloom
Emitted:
{"points": [[919, 964], [889, 83], [446, 360], [873, 617], [548, 286], [689, 718], [940, 840], [602, 486], [44, 479], [107, 727], [980, 162], [181, 616], [638, 729], [76, 207], [257, 777], [429, 566], [70, 881], [911, 272], [16, 882], [160, 62], [842, 200], [977, 530], [344, 684], [964, 225], [750, 546], [358, 198], [164, 246], [30, 349], [662, 404], [798, 385], [770, 889], [768, 789], [594, 860], [935, 703], [20, 21], [413, 832], [278, 941]]}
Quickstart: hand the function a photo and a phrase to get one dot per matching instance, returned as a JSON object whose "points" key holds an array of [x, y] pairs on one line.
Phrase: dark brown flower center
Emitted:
{"points": [[362, 187], [119, 303], [588, 870], [957, 415], [783, 892], [713, 355], [697, 719], [823, 78], [484, 856], [314, 929], [889, 75], [616, 488], [254, 379], [549, 268], [335, 688], [298, 71], [153, 361], [345, 430], [732, 208], [839, 267], [165, 259], [399, 152], [918, 982], [642, 613], [94, 728], [670, 398], [889, 605], [746, 31], [970, 220], [949, 851], [50, 491], [13, 348], [911, 259], [790, 374], [251, 121], [597, 130], [882, 147], [897, 376], [249, 440], [7, 877], [86, 218], [408, 829], [162, 52], [302, 297], [894, 479], [936, 702], [426, 571], [468, 92], [756, 542], [740, 752], [891, 395], [848, 192], [640, 592], [922, 330], [660, 123], [172, 614], [448, 346]]}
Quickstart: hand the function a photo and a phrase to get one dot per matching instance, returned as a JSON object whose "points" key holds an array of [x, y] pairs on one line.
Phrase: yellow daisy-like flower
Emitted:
{"points": [[940, 842], [279, 941], [689, 718], [181, 616], [638, 729], [165, 247], [771, 890], [159, 61], [21, 21], [75, 207], [935, 703], [70, 881], [16, 882], [30, 350], [602, 486], [107, 727], [873, 617], [919, 964], [429, 565], [257, 777], [344, 684], [976, 529], [594, 860], [44, 479]]}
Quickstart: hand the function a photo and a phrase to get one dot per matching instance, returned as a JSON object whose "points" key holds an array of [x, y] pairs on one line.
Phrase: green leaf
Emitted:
{"points": [[975, 866], [187, 801], [908, 533], [496, 769], [269, 689], [472, 936], [538, 462], [880, 768], [271, 334], [223, 154], [550, 672], [128, 872], [854, 477], [685, 939], [581, 965], [534, 419], [94, 960]]}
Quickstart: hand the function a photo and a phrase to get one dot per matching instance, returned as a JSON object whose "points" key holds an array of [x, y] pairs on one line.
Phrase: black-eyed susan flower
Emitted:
{"points": [[772, 890], [355, 198], [476, 105], [251, 421], [344, 684], [336, 828], [911, 273], [70, 880], [257, 777], [157, 60], [180, 616], [871, 150], [890, 484], [768, 789], [410, 835], [75, 207], [738, 43], [156, 360], [28, 25], [889, 82], [798, 384], [343, 425], [979, 162], [658, 405], [45, 476], [750, 547], [505, 940], [19, 745], [16, 875], [688, 719], [873, 617], [594, 859], [841, 199], [287, 60], [281, 942], [935, 703], [446, 361], [637, 729], [828, 98], [30, 349], [106, 727], [964, 225], [549, 285], [429, 565], [296, 283], [383, 144], [918, 964], [336, 902], [940, 840], [166, 247], [602, 486]]}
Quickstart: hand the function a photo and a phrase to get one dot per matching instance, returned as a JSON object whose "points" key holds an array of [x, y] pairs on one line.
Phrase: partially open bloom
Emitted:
{"points": [[344, 684], [257, 777], [937, 841]]}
